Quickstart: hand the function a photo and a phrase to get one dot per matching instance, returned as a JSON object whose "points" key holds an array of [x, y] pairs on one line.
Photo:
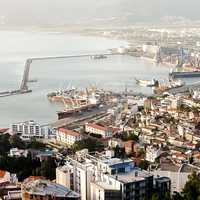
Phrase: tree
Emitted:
{"points": [[4, 144], [120, 152], [144, 164], [177, 196], [16, 141], [155, 197], [191, 190], [48, 169], [91, 144], [34, 144]]}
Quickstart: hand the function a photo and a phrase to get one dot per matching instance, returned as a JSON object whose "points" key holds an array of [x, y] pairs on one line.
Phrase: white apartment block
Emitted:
{"points": [[105, 132], [27, 130], [152, 153], [67, 137], [97, 177]]}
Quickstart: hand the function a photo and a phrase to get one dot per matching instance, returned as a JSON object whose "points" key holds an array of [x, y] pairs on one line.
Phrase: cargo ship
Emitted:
{"points": [[76, 101], [189, 74], [165, 87], [147, 83], [76, 111]]}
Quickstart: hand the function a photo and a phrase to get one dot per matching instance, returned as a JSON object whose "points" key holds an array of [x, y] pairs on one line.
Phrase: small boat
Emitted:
{"points": [[32, 80], [147, 83], [101, 56]]}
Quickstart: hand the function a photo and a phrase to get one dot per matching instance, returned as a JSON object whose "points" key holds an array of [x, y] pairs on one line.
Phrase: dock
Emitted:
{"points": [[185, 74], [185, 89], [23, 89]]}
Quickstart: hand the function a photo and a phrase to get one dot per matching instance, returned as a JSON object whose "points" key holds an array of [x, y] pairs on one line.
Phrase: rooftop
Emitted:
{"points": [[44, 187], [132, 176], [69, 132], [96, 126], [104, 185], [2, 173], [115, 161]]}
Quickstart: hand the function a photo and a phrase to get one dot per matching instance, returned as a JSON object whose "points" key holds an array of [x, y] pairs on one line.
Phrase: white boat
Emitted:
{"points": [[147, 83], [101, 56]]}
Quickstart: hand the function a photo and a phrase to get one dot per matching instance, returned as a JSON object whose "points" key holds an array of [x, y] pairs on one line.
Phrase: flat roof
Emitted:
{"points": [[104, 186], [44, 187], [69, 132], [115, 161], [132, 176]]}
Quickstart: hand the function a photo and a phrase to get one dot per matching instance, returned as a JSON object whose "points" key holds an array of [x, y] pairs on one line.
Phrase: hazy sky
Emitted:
{"points": [[66, 11]]}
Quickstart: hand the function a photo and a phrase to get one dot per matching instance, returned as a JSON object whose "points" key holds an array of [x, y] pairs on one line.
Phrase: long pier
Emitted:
{"points": [[72, 56], [25, 79]]}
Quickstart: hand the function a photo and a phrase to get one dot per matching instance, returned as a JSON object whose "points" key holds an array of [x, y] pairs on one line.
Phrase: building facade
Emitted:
{"points": [[105, 132], [67, 137], [101, 177], [27, 130]]}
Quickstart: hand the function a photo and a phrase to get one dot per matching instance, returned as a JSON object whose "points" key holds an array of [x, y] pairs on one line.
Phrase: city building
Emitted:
{"points": [[64, 176], [113, 142], [163, 186], [105, 132], [15, 152], [103, 191], [178, 179], [39, 188], [129, 147], [67, 137], [27, 130], [152, 152], [101, 176], [6, 177]]}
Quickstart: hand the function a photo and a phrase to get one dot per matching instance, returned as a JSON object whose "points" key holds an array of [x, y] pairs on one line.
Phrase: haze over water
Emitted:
{"points": [[112, 73]]}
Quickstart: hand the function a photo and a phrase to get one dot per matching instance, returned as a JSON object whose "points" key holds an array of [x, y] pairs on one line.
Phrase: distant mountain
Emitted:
{"points": [[58, 12]]}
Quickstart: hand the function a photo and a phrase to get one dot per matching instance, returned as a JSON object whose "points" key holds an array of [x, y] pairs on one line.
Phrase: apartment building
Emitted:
{"points": [[105, 132], [67, 137], [98, 176], [27, 130], [39, 188]]}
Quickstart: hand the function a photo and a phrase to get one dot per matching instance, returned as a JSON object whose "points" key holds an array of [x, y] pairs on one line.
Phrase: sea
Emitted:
{"points": [[113, 73]]}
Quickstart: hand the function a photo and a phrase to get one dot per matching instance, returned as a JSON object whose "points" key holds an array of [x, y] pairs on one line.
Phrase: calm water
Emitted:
{"points": [[113, 73]]}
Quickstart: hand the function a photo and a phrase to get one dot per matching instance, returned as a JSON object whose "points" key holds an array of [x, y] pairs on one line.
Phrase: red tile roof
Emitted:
{"points": [[95, 126], [3, 130], [2, 173], [69, 132]]}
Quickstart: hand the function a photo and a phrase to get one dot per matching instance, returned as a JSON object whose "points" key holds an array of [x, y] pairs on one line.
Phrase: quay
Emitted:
{"points": [[184, 74], [25, 78], [185, 89]]}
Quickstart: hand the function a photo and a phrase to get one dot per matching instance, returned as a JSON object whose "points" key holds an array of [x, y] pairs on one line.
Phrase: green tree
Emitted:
{"points": [[91, 144], [155, 197], [4, 144], [48, 169], [191, 190], [16, 141], [177, 196], [144, 164], [34, 144]]}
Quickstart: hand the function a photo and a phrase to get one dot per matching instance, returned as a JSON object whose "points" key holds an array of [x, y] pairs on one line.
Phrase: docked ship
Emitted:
{"points": [[101, 56], [167, 86], [75, 102], [147, 83], [184, 74], [76, 111]]}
